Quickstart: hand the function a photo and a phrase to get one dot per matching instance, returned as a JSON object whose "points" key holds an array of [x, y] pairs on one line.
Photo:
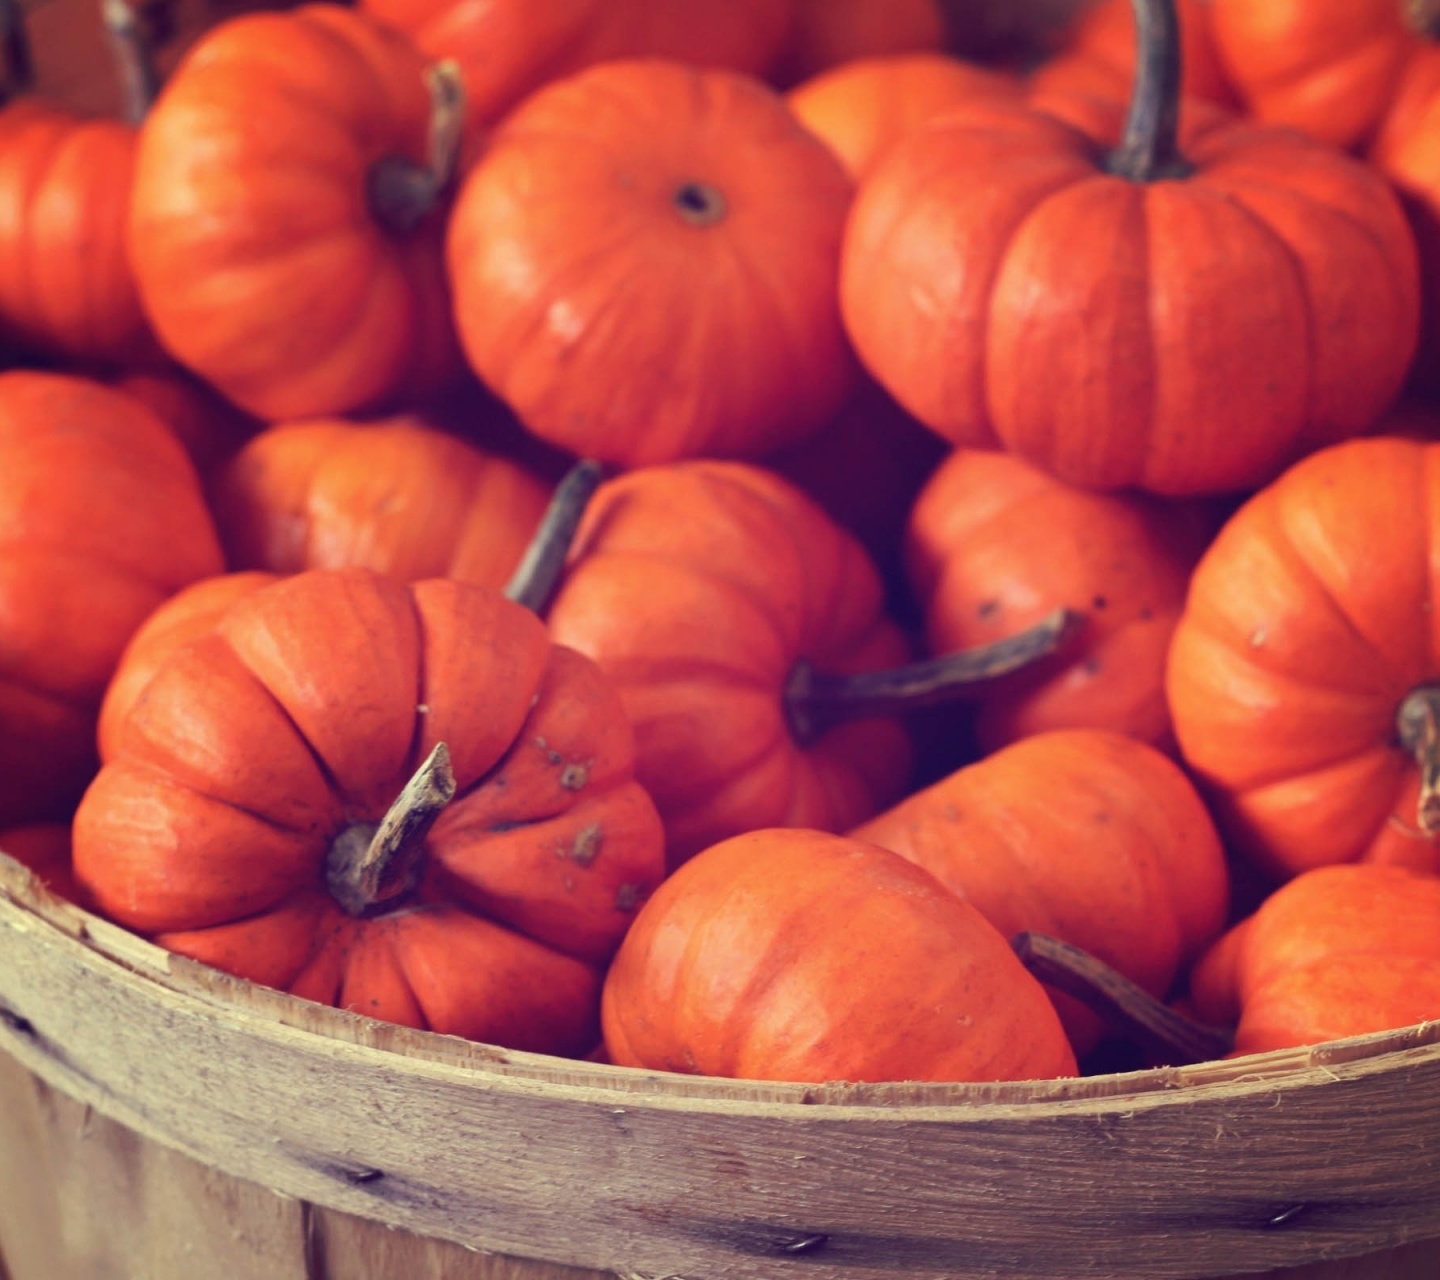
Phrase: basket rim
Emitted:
{"points": [[1397, 1049]]}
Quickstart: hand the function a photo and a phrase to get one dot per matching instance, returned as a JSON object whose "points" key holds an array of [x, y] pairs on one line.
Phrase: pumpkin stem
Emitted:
{"points": [[816, 701], [134, 52], [1418, 724], [538, 574], [403, 193], [1168, 1036], [370, 866], [1150, 149], [16, 51]]}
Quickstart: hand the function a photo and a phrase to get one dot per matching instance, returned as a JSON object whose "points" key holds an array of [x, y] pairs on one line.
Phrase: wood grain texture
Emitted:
{"points": [[1213, 1171]]}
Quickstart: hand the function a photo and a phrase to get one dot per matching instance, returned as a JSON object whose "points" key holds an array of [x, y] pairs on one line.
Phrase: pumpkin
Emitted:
{"points": [[508, 49], [745, 634], [1099, 54], [1303, 671], [644, 266], [798, 955], [1083, 835], [1405, 150], [101, 518], [66, 285], [286, 221], [1325, 66], [398, 799], [210, 427], [994, 543], [860, 107], [831, 33], [44, 847], [396, 495], [1338, 951], [1184, 316]]}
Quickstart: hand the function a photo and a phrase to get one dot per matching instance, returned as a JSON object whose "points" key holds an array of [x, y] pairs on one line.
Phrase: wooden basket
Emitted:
{"points": [[161, 1121]]}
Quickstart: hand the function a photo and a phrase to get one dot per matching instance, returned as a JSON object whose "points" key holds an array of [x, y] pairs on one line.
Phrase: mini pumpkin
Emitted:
{"points": [[1328, 67], [397, 495], [797, 955], [287, 215], [1304, 674], [644, 266], [1338, 951], [101, 519], [209, 426], [399, 799], [1184, 314], [1082, 835], [994, 543]]}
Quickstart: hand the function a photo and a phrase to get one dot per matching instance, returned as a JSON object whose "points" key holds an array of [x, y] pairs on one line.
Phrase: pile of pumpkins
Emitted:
{"points": [[723, 537]]}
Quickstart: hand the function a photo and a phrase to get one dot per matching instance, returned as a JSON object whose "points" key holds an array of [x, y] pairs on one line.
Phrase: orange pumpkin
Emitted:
{"points": [[644, 266], [1099, 54], [210, 428], [1302, 676], [403, 800], [101, 518], [994, 543], [1015, 280], [795, 955], [831, 33], [508, 49], [1325, 66], [396, 495], [1338, 951], [66, 285], [860, 107], [286, 222], [1083, 835], [744, 631]]}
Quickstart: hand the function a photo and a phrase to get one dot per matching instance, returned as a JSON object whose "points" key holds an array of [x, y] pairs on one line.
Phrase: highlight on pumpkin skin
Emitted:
{"points": [[1336, 952], [1122, 292], [798, 955], [643, 263]]}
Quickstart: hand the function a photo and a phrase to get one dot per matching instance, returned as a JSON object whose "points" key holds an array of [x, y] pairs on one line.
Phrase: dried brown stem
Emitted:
{"points": [[131, 43], [1418, 724], [1150, 149], [534, 581], [402, 193]]}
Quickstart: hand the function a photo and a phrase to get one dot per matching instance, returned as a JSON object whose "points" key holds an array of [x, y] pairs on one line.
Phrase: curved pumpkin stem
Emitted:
{"points": [[134, 56], [534, 581], [1168, 1036], [15, 49], [1150, 149], [368, 867], [1423, 16], [403, 193], [1418, 724], [816, 701]]}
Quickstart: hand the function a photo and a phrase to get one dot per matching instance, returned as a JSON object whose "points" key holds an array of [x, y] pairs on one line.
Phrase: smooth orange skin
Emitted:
{"points": [[66, 286], [1099, 54], [508, 49], [1406, 150], [610, 324], [697, 587], [396, 495], [258, 258], [860, 107], [210, 428], [993, 544], [796, 955], [101, 519], [831, 33], [1338, 951], [1327, 67], [1306, 624], [255, 744], [1009, 292], [1085, 835]]}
